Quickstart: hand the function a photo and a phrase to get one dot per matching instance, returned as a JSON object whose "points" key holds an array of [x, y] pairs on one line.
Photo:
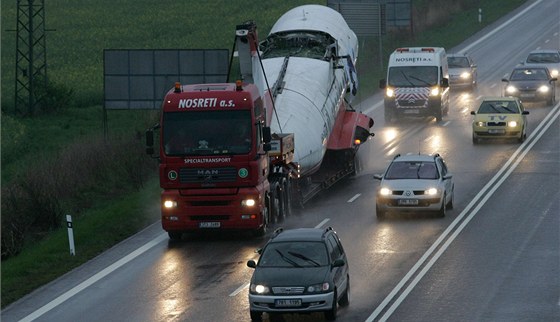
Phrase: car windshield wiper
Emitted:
{"points": [[495, 108], [286, 259], [305, 258]]}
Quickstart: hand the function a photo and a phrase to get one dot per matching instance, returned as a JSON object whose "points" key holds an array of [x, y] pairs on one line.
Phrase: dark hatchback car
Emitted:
{"points": [[300, 270], [531, 84]]}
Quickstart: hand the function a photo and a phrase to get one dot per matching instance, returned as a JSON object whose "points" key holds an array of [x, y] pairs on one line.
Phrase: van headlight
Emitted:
{"points": [[434, 91], [543, 89], [389, 92]]}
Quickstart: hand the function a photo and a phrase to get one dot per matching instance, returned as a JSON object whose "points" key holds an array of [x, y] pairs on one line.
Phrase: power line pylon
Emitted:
{"points": [[31, 56]]}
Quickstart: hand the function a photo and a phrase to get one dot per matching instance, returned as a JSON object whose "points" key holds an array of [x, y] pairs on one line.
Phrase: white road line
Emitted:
{"points": [[85, 284], [326, 220], [446, 123], [239, 289], [494, 85], [525, 147], [355, 197]]}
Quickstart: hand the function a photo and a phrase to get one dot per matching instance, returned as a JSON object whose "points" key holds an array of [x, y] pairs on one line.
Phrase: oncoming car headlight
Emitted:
{"points": [[431, 192], [170, 204], [543, 89], [511, 89], [385, 191], [259, 289], [512, 123], [318, 288], [480, 123], [465, 75], [434, 91]]}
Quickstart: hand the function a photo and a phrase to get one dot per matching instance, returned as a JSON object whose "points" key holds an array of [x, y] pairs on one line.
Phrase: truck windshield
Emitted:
{"points": [[207, 133], [413, 76]]}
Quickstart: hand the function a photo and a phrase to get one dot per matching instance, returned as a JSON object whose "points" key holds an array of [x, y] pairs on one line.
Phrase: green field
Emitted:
{"points": [[111, 209]]}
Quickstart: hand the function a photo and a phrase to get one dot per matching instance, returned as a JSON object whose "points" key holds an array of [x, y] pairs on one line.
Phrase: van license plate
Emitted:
{"points": [[209, 224]]}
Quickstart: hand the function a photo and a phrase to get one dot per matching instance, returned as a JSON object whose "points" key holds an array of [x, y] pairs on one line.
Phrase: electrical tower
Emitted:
{"points": [[31, 56]]}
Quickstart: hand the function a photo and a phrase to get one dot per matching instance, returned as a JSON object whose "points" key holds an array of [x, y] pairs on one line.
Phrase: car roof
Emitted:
{"points": [[499, 98], [415, 157], [299, 234], [539, 51]]}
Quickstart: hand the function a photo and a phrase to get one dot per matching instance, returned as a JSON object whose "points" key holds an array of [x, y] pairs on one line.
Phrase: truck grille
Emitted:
{"points": [[207, 175]]}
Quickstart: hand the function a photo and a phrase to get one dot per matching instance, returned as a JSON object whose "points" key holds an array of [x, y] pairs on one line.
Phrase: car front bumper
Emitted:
{"points": [[309, 303], [397, 204]]}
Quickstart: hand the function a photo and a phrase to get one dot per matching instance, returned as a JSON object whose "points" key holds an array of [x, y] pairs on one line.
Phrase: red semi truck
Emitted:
{"points": [[229, 157]]}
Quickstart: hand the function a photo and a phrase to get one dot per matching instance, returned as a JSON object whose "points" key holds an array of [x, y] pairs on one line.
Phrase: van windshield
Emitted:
{"points": [[413, 76]]}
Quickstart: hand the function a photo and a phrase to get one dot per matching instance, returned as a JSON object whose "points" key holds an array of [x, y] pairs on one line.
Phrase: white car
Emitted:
{"points": [[462, 71], [415, 183], [547, 57]]}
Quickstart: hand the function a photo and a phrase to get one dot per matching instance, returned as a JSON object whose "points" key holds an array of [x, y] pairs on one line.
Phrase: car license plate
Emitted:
{"points": [[496, 131], [527, 95], [209, 224], [411, 112], [408, 202], [288, 303]]}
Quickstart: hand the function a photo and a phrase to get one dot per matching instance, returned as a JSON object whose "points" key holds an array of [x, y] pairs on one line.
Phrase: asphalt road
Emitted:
{"points": [[494, 257]]}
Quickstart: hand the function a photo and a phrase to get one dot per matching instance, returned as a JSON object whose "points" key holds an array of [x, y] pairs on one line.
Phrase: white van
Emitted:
{"points": [[417, 83]]}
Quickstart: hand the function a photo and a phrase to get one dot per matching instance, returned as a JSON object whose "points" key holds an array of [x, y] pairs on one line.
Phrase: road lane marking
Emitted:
{"points": [[239, 289], [355, 197], [87, 283], [322, 223], [500, 177]]}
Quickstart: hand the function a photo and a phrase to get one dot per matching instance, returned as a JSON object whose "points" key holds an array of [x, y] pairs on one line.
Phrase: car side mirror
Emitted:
{"points": [[251, 263], [338, 263], [524, 112], [553, 79], [447, 176], [505, 80], [378, 176], [473, 113]]}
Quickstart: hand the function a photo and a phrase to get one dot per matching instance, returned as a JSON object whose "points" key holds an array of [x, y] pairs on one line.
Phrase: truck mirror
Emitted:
{"points": [[444, 82], [267, 147], [267, 135], [150, 141]]}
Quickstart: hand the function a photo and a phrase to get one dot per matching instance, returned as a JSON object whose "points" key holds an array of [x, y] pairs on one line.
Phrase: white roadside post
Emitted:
{"points": [[479, 15], [70, 234]]}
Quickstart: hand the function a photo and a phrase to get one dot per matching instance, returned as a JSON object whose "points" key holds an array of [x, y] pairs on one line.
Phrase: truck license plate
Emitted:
{"points": [[209, 224], [287, 303]]}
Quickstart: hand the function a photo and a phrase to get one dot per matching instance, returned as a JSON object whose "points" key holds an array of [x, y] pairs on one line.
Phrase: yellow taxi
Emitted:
{"points": [[499, 117]]}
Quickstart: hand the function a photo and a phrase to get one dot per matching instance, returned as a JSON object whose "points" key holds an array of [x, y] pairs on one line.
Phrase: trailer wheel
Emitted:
{"points": [[175, 235], [266, 219], [275, 211]]}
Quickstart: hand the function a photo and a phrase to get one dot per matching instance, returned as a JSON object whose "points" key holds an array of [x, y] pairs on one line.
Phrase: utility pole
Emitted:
{"points": [[31, 56]]}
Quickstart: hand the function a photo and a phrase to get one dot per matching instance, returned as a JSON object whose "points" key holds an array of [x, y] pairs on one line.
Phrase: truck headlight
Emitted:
{"points": [[170, 204], [249, 202]]}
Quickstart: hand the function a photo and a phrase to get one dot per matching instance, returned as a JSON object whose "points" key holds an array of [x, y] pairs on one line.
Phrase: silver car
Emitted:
{"points": [[462, 71], [415, 183], [550, 58]]}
